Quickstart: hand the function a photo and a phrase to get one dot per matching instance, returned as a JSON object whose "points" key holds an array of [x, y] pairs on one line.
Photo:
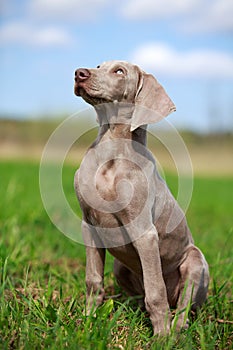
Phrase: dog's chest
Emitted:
{"points": [[106, 181], [114, 181], [112, 193]]}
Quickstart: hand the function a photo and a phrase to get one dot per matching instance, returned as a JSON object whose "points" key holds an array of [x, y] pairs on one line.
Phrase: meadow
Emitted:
{"points": [[42, 273]]}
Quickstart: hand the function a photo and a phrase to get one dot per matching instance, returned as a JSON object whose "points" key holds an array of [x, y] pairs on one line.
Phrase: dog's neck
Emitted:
{"points": [[115, 122]]}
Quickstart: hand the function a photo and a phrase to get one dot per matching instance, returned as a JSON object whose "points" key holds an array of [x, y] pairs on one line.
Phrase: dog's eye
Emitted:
{"points": [[119, 71]]}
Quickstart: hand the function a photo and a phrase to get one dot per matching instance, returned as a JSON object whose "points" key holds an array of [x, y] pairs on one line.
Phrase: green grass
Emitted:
{"points": [[42, 290]]}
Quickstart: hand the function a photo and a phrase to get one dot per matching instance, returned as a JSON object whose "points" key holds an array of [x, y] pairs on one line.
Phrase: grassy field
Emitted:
{"points": [[42, 290]]}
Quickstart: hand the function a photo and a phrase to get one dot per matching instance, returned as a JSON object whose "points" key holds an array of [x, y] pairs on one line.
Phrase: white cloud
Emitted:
{"points": [[217, 17], [29, 35], [138, 9], [191, 15], [79, 10], [163, 59]]}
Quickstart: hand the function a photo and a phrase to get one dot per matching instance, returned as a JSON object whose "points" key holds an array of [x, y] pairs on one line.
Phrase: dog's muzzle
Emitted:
{"points": [[81, 75]]}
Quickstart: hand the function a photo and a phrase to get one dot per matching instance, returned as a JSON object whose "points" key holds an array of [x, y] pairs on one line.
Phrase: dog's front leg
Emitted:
{"points": [[94, 277], [155, 291], [95, 259]]}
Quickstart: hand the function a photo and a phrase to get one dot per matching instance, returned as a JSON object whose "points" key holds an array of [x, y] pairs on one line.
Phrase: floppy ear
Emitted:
{"points": [[151, 102]]}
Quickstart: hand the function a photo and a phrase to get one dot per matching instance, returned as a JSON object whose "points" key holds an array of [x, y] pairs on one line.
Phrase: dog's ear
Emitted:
{"points": [[151, 102]]}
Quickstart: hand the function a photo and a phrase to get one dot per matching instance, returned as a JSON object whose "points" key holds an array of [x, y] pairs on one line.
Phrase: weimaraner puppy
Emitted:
{"points": [[127, 207]]}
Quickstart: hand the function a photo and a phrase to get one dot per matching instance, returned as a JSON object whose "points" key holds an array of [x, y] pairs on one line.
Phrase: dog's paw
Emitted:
{"points": [[162, 328], [161, 331], [180, 323]]}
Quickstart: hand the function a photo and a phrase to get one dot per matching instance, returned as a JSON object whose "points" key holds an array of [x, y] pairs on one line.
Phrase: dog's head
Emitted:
{"points": [[120, 81]]}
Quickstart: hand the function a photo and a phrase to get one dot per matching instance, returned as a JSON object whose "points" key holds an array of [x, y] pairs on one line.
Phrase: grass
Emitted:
{"points": [[42, 273]]}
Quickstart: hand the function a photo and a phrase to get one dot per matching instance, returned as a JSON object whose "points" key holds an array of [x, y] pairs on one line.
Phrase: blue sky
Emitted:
{"points": [[187, 45]]}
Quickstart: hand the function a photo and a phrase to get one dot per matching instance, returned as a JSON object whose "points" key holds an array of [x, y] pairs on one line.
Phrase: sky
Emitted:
{"points": [[186, 44]]}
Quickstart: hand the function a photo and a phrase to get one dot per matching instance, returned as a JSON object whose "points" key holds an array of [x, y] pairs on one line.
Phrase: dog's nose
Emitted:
{"points": [[81, 74]]}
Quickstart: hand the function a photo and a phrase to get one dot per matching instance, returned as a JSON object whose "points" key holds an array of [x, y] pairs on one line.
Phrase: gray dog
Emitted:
{"points": [[127, 208]]}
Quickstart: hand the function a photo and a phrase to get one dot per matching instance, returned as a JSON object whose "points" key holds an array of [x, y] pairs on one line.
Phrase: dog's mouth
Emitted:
{"points": [[77, 89], [81, 91]]}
